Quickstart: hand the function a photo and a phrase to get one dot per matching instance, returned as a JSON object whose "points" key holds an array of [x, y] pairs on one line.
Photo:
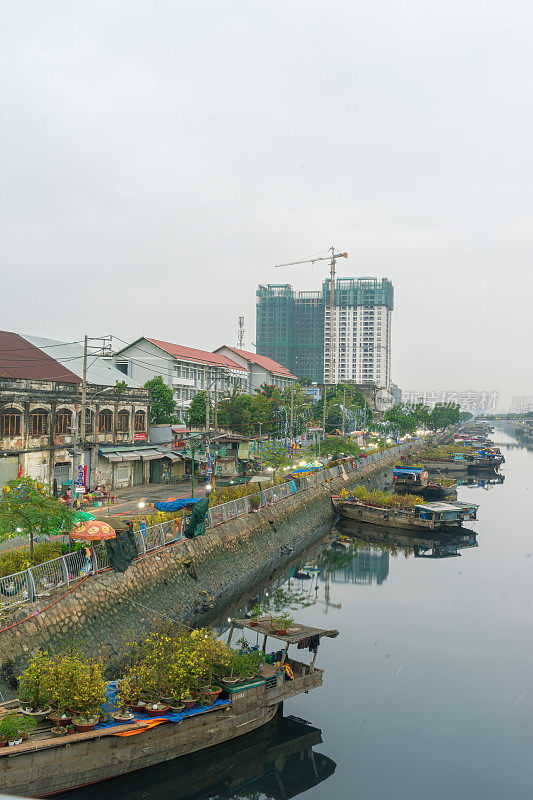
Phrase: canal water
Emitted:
{"points": [[428, 689]]}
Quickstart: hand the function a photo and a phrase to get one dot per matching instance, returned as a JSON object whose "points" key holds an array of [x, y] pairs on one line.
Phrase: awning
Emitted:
{"points": [[173, 456], [112, 456], [150, 455]]}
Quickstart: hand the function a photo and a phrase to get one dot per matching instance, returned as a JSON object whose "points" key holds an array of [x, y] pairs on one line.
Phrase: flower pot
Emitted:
{"points": [[39, 715], [177, 709], [122, 719], [24, 735], [83, 725], [61, 721], [253, 623], [14, 742], [281, 631], [58, 730], [139, 708], [168, 701], [158, 711], [212, 694], [3, 741], [230, 680], [189, 702], [250, 678]]}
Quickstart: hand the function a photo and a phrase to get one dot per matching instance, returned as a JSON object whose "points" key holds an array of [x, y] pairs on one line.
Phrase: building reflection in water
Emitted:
{"points": [[368, 565], [276, 762]]}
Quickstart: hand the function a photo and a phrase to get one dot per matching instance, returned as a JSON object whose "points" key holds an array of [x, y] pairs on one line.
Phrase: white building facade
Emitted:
{"points": [[361, 331], [185, 370]]}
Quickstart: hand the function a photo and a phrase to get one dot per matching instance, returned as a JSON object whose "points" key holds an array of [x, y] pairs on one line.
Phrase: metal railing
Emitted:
{"points": [[39, 581]]}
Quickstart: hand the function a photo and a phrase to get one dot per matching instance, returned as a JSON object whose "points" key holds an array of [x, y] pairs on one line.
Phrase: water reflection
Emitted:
{"points": [[481, 481], [276, 762]]}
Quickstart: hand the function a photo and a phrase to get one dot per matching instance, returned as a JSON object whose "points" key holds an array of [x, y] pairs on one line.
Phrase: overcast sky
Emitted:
{"points": [[159, 157]]}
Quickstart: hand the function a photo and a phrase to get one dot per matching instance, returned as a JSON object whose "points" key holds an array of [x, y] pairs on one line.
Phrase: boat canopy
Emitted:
{"points": [[294, 634], [408, 470]]}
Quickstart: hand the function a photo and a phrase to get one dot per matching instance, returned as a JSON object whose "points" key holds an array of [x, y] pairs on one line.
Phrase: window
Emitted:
{"points": [[62, 425], [139, 422], [123, 421], [39, 422], [89, 421], [122, 366], [10, 423], [105, 421]]}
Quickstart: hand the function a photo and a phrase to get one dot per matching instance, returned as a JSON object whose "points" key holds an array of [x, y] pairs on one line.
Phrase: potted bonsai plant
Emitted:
{"points": [[35, 687], [14, 728]]}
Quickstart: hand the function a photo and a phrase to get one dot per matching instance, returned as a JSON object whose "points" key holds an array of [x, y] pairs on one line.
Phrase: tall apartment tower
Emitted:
{"points": [[362, 331], [293, 328]]}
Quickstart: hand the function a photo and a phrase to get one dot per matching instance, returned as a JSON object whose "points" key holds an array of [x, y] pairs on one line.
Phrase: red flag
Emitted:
{"points": [[20, 471]]}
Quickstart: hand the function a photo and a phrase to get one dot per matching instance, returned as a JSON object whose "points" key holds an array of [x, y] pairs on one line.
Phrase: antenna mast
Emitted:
{"points": [[240, 335]]}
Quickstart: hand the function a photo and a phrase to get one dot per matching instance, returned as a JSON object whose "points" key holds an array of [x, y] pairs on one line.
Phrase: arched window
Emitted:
{"points": [[89, 421], [10, 422], [38, 422], [105, 421], [63, 418], [139, 422], [123, 421]]}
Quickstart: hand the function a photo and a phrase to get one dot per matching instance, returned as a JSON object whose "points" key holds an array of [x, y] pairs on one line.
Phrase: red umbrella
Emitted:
{"points": [[93, 530]]}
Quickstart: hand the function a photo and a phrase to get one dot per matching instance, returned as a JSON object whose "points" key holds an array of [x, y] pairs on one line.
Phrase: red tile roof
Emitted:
{"points": [[192, 354], [263, 361], [21, 359]]}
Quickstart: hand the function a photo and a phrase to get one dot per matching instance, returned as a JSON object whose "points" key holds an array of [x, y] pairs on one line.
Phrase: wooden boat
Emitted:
{"points": [[439, 489], [45, 765], [425, 516], [280, 754], [409, 479]]}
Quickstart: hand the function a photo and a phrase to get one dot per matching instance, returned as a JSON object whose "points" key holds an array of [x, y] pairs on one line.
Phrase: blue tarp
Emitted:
{"points": [[177, 505], [403, 470], [110, 707]]}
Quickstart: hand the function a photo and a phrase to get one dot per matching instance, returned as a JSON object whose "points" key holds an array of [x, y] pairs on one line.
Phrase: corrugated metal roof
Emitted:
{"points": [[19, 358], [191, 354], [99, 371], [263, 361]]}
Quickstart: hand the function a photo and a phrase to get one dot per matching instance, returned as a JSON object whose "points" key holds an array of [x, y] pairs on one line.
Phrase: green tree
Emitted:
{"points": [[28, 508], [196, 412], [332, 446], [163, 409], [444, 414], [402, 418]]}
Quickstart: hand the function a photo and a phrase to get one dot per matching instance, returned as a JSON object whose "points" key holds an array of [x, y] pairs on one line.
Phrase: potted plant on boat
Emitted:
{"points": [[125, 699], [14, 728], [254, 614], [88, 697], [35, 685]]}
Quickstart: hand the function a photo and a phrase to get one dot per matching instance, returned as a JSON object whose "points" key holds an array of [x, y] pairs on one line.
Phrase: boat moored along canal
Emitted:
{"points": [[437, 516], [45, 765]]}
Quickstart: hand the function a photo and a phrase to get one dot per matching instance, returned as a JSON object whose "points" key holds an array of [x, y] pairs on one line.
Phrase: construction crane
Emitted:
{"points": [[332, 258]]}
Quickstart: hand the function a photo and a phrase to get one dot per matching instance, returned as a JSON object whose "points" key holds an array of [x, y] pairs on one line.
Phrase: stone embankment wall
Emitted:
{"points": [[108, 609]]}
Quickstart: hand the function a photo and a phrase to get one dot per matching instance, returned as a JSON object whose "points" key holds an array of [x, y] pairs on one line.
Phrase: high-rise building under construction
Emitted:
{"points": [[294, 329]]}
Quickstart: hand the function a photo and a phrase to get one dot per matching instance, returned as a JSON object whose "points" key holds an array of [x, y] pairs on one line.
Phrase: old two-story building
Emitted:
{"points": [[261, 369], [185, 370], [40, 405]]}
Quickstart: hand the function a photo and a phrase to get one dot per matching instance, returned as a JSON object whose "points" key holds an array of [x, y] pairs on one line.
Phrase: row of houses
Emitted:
{"points": [[41, 400]]}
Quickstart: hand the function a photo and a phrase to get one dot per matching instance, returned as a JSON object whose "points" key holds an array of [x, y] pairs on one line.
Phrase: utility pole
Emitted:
{"points": [[292, 412], [215, 417], [344, 413], [324, 413], [207, 393], [84, 392]]}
